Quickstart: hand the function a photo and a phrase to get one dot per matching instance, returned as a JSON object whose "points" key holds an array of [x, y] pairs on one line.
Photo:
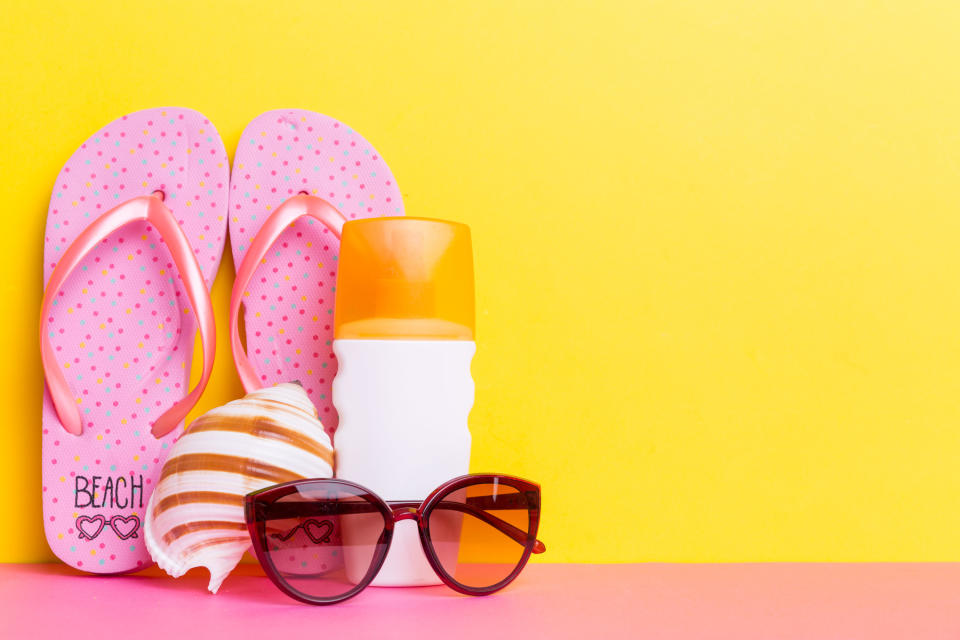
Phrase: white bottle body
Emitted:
{"points": [[403, 431]]}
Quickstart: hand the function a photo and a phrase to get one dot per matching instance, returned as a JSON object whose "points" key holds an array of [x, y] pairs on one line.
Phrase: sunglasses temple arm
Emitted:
{"points": [[298, 510], [281, 511]]}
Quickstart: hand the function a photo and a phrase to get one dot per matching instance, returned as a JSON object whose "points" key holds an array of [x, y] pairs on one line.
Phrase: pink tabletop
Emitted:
{"points": [[782, 601]]}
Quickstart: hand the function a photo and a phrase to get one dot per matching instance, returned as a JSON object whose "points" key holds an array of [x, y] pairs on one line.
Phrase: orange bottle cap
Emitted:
{"points": [[406, 278]]}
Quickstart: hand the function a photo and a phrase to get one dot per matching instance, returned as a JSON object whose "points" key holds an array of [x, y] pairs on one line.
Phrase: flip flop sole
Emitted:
{"points": [[122, 328], [289, 304]]}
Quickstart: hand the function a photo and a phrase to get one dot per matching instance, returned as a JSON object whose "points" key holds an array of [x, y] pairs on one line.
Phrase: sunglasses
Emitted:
{"points": [[323, 541]]}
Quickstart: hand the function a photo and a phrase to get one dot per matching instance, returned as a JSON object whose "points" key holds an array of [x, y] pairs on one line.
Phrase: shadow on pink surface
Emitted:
{"points": [[743, 601]]}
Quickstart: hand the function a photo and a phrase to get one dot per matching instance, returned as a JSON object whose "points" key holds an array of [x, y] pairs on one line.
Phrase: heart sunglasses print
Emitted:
{"points": [[317, 530], [90, 527]]}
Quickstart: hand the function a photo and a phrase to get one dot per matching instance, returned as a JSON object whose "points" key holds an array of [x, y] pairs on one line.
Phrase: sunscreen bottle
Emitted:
{"points": [[404, 340]]}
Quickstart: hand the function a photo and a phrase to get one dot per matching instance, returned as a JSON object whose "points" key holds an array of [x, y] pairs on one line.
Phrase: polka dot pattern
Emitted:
{"points": [[122, 327], [289, 304]]}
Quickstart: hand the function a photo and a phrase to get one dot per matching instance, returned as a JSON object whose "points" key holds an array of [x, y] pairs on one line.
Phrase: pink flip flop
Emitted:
{"points": [[297, 176], [134, 236]]}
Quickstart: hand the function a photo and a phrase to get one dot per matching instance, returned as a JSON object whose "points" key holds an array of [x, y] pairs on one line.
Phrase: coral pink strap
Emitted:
{"points": [[296, 207], [151, 209]]}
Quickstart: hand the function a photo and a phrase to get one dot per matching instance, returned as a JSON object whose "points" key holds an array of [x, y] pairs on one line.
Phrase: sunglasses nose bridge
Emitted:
{"points": [[404, 513]]}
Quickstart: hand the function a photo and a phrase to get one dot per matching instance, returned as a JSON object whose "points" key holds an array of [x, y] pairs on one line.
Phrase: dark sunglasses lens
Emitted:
{"points": [[479, 533], [322, 540]]}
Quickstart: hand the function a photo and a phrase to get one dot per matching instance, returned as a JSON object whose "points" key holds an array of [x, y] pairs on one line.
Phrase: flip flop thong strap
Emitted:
{"points": [[286, 214], [150, 209]]}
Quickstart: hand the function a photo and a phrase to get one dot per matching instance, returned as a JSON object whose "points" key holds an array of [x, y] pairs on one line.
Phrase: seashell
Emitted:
{"points": [[195, 514]]}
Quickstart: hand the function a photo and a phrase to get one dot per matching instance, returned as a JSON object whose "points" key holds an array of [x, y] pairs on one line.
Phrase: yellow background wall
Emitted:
{"points": [[717, 243]]}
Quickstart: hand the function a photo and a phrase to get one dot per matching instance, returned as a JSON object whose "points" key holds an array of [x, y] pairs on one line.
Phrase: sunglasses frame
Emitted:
{"points": [[393, 511]]}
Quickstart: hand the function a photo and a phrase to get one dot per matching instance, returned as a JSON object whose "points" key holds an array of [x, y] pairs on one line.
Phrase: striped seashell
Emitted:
{"points": [[195, 514]]}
